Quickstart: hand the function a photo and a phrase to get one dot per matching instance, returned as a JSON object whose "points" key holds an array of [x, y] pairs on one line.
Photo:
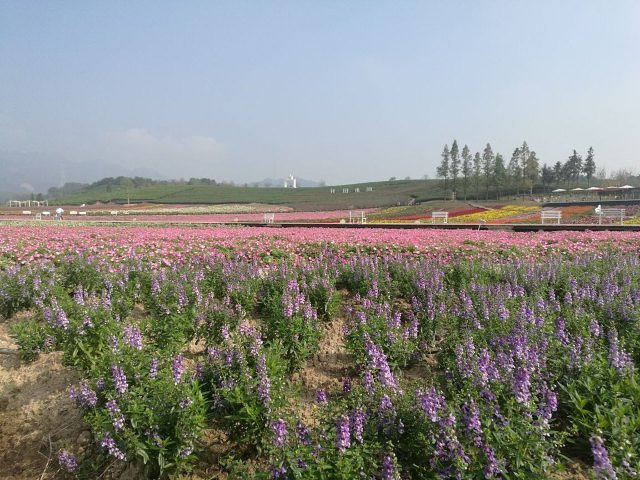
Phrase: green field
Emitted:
{"points": [[308, 199]]}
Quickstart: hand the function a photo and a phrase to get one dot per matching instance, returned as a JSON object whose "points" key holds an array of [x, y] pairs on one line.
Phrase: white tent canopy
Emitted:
{"points": [[558, 190], [577, 189], [594, 188], [627, 186]]}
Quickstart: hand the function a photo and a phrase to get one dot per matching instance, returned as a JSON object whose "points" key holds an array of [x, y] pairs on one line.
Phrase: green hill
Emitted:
{"points": [[306, 198]]}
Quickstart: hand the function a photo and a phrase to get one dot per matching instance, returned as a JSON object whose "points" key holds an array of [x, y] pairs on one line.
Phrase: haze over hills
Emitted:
{"points": [[27, 173], [24, 174]]}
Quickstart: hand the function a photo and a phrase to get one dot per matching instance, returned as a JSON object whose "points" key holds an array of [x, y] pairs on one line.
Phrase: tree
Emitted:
{"points": [[477, 167], [455, 164], [443, 170], [531, 170], [589, 167], [547, 176], [487, 166], [514, 170], [524, 159], [499, 175], [574, 166], [466, 169], [557, 173]]}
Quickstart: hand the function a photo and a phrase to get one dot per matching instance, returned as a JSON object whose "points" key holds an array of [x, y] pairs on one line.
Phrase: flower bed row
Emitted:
{"points": [[528, 349]]}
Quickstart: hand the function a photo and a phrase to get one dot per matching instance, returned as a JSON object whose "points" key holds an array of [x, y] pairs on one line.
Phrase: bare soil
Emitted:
{"points": [[37, 418]]}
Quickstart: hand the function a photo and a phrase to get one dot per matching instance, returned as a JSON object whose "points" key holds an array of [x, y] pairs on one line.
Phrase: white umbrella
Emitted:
{"points": [[558, 190], [577, 189], [59, 210]]}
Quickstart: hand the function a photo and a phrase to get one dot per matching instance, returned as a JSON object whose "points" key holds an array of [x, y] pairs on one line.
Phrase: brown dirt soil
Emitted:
{"points": [[574, 471], [37, 418], [325, 369]]}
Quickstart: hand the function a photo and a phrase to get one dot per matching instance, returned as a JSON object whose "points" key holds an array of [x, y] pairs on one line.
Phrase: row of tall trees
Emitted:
{"points": [[571, 171], [476, 174], [470, 173]]}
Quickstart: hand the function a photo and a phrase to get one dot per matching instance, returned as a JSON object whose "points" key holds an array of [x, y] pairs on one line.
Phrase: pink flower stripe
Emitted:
{"points": [[164, 245]]}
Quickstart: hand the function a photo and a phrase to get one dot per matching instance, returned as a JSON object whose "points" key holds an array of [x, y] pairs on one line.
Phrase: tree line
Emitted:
{"points": [[476, 174]]}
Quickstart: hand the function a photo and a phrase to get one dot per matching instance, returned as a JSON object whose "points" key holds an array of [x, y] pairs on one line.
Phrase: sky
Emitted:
{"points": [[327, 90]]}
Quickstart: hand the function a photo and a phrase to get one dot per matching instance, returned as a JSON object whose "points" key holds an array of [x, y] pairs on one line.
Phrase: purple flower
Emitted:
{"points": [[264, 383], [472, 422], [61, 320], [84, 397], [431, 403], [561, 332], [620, 360], [117, 419], [132, 336], [119, 379], [378, 360], [279, 428], [367, 382], [177, 369], [357, 424], [302, 433], [346, 384], [343, 439], [521, 384], [78, 295], [186, 450], [108, 443], [492, 469], [278, 472], [594, 328], [601, 464], [153, 368], [486, 370], [548, 405], [113, 342], [321, 397], [67, 460], [389, 468]]}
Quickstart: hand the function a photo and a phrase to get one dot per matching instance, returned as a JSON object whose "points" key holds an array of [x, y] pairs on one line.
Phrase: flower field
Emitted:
{"points": [[514, 212], [331, 354]]}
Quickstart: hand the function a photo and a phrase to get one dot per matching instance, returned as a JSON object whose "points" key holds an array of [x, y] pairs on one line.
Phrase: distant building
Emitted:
{"points": [[291, 182]]}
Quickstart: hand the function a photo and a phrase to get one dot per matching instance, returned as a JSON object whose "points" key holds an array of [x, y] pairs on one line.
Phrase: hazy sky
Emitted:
{"points": [[333, 90]]}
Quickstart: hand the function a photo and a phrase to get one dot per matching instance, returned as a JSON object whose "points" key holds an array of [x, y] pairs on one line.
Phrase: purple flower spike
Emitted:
{"points": [[279, 428], [177, 369], [119, 379], [343, 439], [67, 460], [601, 464]]}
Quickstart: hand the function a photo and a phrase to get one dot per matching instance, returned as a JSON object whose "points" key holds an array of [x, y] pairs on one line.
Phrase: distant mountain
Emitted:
{"points": [[26, 173]]}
